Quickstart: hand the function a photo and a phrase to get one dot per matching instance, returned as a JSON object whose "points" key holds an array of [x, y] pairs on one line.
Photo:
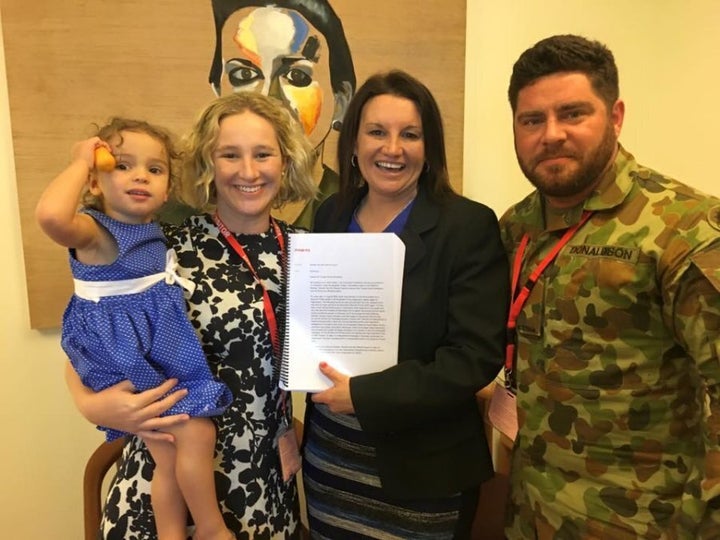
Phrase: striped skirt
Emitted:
{"points": [[344, 494]]}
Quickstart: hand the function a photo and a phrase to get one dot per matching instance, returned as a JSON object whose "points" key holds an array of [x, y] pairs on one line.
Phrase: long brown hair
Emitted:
{"points": [[434, 178]]}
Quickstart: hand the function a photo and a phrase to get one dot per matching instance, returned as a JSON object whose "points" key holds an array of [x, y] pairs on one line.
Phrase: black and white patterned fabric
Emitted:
{"points": [[226, 310]]}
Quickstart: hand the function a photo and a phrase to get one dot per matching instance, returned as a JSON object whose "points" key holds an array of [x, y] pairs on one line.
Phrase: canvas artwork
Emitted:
{"points": [[73, 64]]}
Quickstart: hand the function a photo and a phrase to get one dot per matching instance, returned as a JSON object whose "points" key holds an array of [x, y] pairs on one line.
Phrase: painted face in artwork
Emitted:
{"points": [[279, 53]]}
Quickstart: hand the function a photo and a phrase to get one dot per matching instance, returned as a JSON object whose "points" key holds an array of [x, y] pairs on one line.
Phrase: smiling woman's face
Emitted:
{"points": [[278, 53]]}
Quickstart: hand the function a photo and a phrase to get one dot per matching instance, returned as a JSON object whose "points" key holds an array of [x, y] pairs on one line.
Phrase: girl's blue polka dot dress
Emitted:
{"points": [[145, 337]]}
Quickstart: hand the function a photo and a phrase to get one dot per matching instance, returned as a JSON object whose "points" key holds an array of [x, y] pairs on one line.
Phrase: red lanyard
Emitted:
{"points": [[267, 304], [521, 296]]}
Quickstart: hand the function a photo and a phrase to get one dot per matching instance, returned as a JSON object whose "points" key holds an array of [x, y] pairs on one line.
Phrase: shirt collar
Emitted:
{"points": [[611, 191], [615, 185]]}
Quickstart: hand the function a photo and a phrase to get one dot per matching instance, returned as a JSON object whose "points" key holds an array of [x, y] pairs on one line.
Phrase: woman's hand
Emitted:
{"points": [[337, 397], [119, 407]]}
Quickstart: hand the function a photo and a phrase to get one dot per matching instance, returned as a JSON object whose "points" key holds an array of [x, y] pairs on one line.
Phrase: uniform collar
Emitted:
{"points": [[615, 185], [611, 191]]}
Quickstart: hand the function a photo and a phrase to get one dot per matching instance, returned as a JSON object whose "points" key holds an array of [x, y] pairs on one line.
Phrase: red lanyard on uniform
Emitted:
{"points": [[521, 296], [268, 308]]}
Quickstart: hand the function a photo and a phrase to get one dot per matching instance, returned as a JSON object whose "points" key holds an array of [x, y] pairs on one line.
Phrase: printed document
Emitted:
{"points": [[343, 306]]}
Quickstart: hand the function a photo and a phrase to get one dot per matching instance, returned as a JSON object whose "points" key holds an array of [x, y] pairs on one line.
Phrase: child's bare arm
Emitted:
{"points": [[56, 211]]}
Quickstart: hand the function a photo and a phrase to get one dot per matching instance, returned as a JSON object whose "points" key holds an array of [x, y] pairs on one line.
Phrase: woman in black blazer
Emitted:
{"points": [[402, 452]]}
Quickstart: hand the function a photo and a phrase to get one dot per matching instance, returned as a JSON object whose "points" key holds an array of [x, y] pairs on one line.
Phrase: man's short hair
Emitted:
{"points": [[566, 54]]}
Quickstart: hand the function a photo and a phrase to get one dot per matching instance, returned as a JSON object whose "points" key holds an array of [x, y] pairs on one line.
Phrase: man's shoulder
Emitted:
{"points": [[528, 208], [658, 185], [677, 203]]}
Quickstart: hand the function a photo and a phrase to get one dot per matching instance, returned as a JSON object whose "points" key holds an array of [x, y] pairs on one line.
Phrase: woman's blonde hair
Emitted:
{"points": [[197, 187]]}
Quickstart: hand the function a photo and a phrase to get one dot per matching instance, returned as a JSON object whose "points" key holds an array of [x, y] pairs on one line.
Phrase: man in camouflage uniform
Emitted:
{"points": [[617, 370]]}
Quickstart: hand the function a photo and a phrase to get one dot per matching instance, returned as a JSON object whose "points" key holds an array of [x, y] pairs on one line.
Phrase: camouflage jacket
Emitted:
{"points": [[617, 368]]}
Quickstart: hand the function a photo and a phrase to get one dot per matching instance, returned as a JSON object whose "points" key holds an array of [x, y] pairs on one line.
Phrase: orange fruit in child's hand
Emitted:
{"points": [[104, 160]]}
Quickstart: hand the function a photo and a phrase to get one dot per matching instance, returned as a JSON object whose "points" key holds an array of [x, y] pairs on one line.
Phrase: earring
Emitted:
{"points": [[353, 161], [336, 125]]}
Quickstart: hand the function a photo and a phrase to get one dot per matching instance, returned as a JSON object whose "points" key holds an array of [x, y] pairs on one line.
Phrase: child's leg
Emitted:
{"points": [[195, 473], [167, 500]]}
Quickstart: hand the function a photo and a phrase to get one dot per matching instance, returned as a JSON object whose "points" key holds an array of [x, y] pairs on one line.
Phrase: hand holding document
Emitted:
{"points": [[343, 306]]}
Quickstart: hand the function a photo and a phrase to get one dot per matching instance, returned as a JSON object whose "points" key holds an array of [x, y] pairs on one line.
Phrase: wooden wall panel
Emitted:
{"points": [[72, 64]]}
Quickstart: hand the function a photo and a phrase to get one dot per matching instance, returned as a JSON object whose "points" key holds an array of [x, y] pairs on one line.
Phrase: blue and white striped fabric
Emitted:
{"points": [[344, 494]]}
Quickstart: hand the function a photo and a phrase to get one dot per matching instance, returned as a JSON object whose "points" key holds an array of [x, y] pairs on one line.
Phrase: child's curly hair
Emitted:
{"points": [[114, 128]]}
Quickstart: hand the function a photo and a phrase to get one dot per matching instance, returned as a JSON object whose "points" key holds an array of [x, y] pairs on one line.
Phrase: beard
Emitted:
{"points": [[566, 180]]}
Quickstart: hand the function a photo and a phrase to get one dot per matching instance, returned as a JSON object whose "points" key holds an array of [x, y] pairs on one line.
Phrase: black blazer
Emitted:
{"points": [[422, 415]]}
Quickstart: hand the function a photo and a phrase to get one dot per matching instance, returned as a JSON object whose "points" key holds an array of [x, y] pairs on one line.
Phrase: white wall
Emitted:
{"points": [[667, 51], [44, 442]]}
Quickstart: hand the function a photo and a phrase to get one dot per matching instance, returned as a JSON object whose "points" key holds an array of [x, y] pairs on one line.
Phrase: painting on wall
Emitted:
{"points": [[73, 65]]}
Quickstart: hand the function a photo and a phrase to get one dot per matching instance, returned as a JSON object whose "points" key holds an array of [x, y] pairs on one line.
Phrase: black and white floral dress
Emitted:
{"points": [[226, 309]]}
